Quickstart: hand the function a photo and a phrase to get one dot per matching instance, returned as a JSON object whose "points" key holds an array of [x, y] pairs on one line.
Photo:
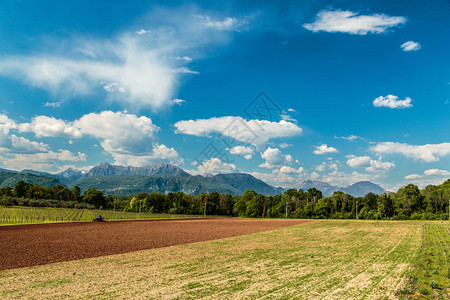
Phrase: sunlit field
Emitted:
{"points": [[320, 259]]}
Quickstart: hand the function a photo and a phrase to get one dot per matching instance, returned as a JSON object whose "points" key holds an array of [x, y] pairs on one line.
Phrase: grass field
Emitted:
{"points": [[321, 259], [34, 215]]}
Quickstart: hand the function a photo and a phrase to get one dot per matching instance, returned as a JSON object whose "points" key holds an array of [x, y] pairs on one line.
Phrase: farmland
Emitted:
{"points": [[36, 215], [324, 258]]}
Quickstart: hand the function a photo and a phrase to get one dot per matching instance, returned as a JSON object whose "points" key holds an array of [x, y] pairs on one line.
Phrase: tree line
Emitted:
{"points": [[409, 202]]}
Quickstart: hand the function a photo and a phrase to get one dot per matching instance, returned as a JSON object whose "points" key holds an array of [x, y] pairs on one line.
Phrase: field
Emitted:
{"points": [[37, 215], [320, 259], [48, 243]]}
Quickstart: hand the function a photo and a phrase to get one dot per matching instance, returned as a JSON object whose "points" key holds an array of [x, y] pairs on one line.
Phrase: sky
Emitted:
{"points": [[337, 91]]}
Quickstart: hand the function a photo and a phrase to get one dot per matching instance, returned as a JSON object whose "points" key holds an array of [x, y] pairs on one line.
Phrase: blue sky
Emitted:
{"points": [[338, 91]]}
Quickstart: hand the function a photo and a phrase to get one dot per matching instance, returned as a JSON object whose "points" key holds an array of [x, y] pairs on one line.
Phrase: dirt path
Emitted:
{"points": [[29, 245]]}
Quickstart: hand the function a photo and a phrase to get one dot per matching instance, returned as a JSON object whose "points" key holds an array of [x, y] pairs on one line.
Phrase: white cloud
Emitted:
{"points": [[392, 101], [327, 166], [134, 69], [52, 104], [291, 110], [21, 144], [245, 151], [285, 145], [43, 126], [350, 138], [119, 132], [287, 117], [185, 58], [436, 172], [430, 176], [128, 138], [178, 101], [369, 164], [113, 87], [359, 162], [353, 23], [227, 24], [288, 170], [142, 31], [324, 149], [159, 152], [410, 46], [47, 161], [274, 158], [215, 166], [427, 152], [256, 132]]}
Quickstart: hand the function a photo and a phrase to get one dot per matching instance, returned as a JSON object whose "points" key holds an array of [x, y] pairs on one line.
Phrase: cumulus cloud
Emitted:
{"points": [[245, 151], [215, 166], [324, 166], [46, 161], [369, 164], [274, 158], [353, 23], [392, 101], [288, 170], [159, 152], [255, 132], [118, 131], [43, 126], [410, 46], [324, 149], [427, 152], [430, 176]]}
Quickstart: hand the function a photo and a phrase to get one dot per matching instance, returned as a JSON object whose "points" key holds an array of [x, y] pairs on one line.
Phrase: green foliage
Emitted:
{"points": [[408, 203]]}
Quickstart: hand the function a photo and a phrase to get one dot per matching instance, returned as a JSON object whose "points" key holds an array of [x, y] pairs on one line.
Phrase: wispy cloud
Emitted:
{"points": [[350, 22], [410, 46], [135, 69], [52, 104]]}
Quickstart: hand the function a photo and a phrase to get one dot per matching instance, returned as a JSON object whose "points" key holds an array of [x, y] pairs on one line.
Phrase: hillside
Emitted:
{"points": [[11, 179]]}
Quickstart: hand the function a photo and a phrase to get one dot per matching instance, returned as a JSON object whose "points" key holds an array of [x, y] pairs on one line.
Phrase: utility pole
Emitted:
{"points": [[356, 208], [286, 208], [204, 209], [115, 199]]}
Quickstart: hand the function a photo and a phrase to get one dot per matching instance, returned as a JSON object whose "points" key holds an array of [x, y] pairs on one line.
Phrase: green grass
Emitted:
{"points": [[430, 274], [322, 259], [18, 215]]}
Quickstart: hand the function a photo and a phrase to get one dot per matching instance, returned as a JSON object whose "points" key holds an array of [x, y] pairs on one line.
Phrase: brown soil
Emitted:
{"points": [[29, 245]]}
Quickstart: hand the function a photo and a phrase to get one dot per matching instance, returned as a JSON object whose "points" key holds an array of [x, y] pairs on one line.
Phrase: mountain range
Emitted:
{"points": [[358, 189], [163, 178]]}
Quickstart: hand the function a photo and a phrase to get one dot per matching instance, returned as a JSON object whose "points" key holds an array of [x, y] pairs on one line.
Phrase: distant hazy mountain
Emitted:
{"points": [[361, 188], [11, 179], [7, 171], [324, 187], [69, 175], [358, 189]]}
